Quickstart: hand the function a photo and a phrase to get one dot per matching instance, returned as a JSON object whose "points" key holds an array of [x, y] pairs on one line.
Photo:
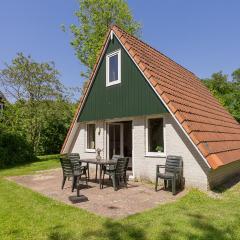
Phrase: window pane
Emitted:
{"points": [[91, 136], [155, 135], [113, 68]]}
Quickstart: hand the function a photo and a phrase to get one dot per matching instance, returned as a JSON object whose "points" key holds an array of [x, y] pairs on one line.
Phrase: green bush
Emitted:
{"points": [[14, 149]]}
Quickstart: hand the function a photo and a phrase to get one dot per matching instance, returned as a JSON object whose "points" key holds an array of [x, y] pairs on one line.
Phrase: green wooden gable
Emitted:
{"points": [[132, 97]]}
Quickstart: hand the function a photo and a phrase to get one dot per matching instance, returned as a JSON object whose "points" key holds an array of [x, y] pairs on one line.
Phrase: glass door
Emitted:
{"points": [[115, 139]]}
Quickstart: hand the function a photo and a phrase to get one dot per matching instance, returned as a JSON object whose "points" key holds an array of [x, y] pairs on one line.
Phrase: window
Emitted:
{"points": [[91, 136], [113, 68], [155, 136]]}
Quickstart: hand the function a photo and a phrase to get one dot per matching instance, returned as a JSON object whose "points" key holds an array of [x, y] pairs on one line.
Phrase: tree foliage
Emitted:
{"points": [[226, 91], [14, 148], [40, 113], [95, 17]]}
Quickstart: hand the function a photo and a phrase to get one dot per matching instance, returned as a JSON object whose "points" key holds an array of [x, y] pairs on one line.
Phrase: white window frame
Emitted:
{"points": [[155, 154], [118, 53], [89, 150], [121, 138]]}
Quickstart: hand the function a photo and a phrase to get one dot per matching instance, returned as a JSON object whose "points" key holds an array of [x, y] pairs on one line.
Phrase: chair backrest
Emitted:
{"points": [[173, 162], [115, 157], [66, 165], [75, 162], [74, 157], [120, 167]]}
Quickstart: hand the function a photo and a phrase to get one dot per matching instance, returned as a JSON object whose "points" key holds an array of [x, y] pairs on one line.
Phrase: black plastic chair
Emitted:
{"points": [[75, 158], [117, 173], [173, 172], [125, 171], [71, 170]]}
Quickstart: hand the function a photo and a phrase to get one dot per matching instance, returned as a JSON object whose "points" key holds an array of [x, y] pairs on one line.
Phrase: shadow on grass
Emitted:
{"points": [[34, 160], [58, 234], [199, 227], [110, 230]]}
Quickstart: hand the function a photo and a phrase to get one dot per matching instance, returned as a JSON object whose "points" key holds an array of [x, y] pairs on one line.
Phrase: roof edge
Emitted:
{"points": [[82, 98]]}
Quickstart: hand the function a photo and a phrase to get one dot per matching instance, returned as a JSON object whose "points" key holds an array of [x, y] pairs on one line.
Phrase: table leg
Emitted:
{"points": [[88, 171], [96, 172], [100, 177]]}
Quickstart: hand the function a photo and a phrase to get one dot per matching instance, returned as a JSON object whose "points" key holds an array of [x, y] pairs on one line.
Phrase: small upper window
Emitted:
{"points": [[91, 136], [113, 68], [155, 135]]}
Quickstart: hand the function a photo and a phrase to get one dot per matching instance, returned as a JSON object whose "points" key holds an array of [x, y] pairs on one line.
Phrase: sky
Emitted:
{"points": [[203, 36]]}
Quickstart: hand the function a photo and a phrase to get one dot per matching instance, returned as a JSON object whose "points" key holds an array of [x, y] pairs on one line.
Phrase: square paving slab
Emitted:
{"points": [[136, 198]]}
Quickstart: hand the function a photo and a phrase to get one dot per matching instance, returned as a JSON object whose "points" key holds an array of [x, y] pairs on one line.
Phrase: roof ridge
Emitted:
{"points": [[156, 50]]}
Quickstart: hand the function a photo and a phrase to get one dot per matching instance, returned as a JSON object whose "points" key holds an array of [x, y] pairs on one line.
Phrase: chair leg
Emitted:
{"points": [[114, 182], [174, 186], [103, 180], [165, 184], [125, 180], [156, 184], [78, 186], [63, 181], [73, 183]]}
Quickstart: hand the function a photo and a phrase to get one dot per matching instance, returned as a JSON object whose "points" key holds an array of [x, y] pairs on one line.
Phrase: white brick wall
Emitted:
{"points": [[79, 144], [176, 143]]}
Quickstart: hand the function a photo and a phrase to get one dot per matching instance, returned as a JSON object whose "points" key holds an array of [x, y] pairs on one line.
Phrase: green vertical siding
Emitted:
{"points": [[132, 97]]}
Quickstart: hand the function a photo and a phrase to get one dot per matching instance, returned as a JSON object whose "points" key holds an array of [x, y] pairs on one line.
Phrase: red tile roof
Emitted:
{"points": [[209, 125]]}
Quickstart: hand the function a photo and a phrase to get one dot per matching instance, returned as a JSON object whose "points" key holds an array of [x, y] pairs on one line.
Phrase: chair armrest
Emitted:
{"points": [[161, 166]]}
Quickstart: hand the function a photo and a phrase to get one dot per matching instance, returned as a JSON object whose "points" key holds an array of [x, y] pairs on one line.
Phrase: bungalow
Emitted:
{"points": [[141, 104]]}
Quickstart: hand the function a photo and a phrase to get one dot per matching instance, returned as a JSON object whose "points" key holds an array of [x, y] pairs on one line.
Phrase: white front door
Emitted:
{"points": [[115, 139]]}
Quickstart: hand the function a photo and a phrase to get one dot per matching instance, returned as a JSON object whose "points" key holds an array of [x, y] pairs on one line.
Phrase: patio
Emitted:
{"points": [[105, 202]]}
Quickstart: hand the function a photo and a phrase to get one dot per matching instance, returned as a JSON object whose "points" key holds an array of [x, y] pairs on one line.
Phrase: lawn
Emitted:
{"points": [[25, 214]]}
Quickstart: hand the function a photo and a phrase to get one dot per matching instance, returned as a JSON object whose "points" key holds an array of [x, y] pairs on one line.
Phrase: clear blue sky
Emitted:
{"points": [[203, 36]]}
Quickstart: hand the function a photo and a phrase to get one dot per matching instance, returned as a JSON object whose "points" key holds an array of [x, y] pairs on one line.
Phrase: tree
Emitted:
{"points": [[33, 86], [95, 17], [227, 92], [27, 80], [236, 76]]}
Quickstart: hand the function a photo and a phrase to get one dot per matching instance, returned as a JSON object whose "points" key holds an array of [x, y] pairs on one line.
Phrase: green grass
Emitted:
{"points": [[25, 214]]}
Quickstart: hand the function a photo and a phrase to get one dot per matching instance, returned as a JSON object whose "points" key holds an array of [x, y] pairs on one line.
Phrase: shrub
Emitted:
{"points": [[14, 149]]}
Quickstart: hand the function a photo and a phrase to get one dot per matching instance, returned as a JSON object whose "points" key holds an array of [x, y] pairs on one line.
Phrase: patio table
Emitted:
{"points": [[101, 163]]}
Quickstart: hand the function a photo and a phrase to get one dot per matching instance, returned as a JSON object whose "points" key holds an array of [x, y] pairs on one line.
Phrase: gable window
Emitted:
{"points": [[113, 68], [91, 137], [155, 136]]}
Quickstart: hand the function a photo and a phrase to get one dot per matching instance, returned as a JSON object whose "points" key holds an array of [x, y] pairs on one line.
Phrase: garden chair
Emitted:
{"points": [[173, 172], [117, 173], [125, 171], [75, 158], [71, 170]]}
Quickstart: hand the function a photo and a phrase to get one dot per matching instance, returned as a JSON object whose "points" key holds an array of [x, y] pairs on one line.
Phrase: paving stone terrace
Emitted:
{"points": [[137, 197]]}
